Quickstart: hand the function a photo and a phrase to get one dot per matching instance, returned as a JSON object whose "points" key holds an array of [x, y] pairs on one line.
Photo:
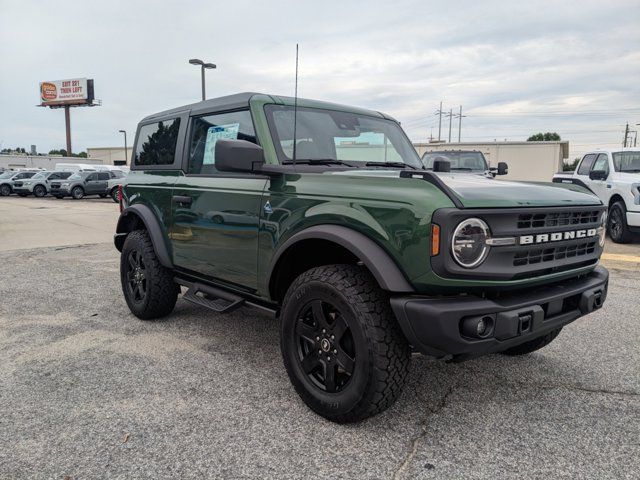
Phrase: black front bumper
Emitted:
{"points": [[433, 325]]}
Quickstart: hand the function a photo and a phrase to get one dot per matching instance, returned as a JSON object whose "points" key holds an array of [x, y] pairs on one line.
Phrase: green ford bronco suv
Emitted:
{"points": [[323, 215]]}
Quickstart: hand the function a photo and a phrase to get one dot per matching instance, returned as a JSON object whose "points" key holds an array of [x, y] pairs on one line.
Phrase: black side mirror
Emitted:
{"points": [[441, 166], [238, 156], [598, 175], [503, 168]]}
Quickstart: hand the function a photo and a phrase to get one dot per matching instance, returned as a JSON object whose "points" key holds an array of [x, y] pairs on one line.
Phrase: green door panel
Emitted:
{"points": [[153, 189], [217, 234]]}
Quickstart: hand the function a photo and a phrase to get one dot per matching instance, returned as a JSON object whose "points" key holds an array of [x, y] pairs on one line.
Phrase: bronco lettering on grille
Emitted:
{"points": [[557, 236]]}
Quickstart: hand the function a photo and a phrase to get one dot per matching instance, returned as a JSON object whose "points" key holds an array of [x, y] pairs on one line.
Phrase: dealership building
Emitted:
{"points": [[528, 161]]}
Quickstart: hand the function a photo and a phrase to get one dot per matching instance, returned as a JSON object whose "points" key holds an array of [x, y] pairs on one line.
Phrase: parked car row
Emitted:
{"points": [[60, 184]]}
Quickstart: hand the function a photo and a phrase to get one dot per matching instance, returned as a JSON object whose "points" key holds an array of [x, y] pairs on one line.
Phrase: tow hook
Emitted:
{"points": [[592, 300]]}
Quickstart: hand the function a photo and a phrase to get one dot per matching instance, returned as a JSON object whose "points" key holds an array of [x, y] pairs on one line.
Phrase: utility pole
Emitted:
{"points": [[450, 118], [626, 134], [439, 113], [459, 115]]}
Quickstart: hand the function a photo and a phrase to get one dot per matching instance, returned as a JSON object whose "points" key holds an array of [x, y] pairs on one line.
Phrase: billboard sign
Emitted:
{"points": [[75, 91]]}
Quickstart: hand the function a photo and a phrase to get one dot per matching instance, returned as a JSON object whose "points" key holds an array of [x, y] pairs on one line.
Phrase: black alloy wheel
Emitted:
{"points": [[618, 229], [326, 349], [136, 277], [39, 191]]}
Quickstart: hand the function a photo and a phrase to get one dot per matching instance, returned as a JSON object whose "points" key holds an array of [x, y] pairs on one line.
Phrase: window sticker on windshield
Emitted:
{"points": [[214, 134]]}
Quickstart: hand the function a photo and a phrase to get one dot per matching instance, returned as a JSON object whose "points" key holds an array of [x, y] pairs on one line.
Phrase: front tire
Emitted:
{"points": [[39, 191], [148, 287], [342, 347], [5, 190], [77, 193], [618, 228], [532, 345]]}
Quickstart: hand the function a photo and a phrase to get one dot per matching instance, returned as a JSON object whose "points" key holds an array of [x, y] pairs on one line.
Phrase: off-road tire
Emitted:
{"points": [[532, 345], [5, 190], [39, 191], [161, 291], [77, 193], [617, 224], [382, 353]]}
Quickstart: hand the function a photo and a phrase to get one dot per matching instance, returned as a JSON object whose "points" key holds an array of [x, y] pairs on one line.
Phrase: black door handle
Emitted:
{"points": [[182, 199]]}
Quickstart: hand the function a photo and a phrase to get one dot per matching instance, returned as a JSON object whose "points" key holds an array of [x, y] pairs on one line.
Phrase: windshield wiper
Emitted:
{"points": [[390, 164], [317, 161]]}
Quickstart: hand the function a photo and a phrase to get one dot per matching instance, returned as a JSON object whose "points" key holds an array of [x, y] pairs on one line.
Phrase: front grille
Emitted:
{"points": [[556, 219], [55, 185], [17, 184], [541, 255]]}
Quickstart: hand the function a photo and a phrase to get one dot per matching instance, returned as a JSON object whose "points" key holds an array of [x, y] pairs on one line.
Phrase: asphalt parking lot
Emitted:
{"points": [[89, 391]]}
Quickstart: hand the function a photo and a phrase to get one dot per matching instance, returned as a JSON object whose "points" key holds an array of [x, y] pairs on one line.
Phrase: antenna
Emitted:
{"points": [[295, 110]]}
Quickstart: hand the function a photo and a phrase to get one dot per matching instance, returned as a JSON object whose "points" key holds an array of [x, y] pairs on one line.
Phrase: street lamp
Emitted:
{"points": [[125, 145], [203, 65]]}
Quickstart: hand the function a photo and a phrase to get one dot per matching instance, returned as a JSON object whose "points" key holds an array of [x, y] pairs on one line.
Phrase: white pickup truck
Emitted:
{"points": [[614, 176]]}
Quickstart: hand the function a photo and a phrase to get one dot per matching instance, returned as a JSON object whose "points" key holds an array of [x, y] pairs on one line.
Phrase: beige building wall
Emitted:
{"points": [[528, 161], [109, 155]]}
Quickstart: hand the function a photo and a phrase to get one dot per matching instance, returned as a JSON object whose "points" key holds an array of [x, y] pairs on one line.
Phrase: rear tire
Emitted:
{"points": [[148, 287], [342, 347], [618, 228], [77, 193], [532, 345]]}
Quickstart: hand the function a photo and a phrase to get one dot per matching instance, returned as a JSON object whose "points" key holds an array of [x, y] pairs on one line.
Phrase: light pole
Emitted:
{"points": [[125, 145], [203, 65]]}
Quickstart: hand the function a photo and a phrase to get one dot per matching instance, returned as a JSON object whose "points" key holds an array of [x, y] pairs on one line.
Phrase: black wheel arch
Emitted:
{"points": [[350, 243], [141, 216]]}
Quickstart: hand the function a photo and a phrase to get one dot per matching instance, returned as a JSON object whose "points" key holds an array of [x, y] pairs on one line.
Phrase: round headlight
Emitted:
{"points": [[602, 230], [469, 243]]}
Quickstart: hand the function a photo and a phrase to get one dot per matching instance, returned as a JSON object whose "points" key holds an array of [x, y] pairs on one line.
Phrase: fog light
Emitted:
{"points": [[478, 327]]}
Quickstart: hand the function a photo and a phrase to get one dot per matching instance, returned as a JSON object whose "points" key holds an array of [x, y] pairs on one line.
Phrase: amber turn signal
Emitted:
{"points": [[435, 239]]}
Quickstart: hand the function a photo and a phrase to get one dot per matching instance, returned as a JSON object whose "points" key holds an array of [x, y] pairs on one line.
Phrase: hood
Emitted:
{"points": [[478, 191], [485, 193]]}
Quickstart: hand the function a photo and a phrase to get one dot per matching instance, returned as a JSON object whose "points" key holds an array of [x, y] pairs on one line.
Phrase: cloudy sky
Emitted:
{"points": [[570, 67]]}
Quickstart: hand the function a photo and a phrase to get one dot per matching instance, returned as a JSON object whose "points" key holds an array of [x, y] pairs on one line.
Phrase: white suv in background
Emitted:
{"points": [[614, 176]]}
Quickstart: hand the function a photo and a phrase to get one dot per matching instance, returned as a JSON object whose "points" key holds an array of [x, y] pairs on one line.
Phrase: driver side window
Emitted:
{"points": [[207, 130], [601, 164]]}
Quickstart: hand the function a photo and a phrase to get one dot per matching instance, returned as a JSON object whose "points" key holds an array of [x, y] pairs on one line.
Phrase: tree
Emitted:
{"points": [[570, 167], [62, 152], [544, 137]]}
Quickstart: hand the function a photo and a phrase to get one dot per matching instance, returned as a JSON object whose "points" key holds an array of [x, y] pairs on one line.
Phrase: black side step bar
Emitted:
{"points": [[433, 179], [212, 298]]}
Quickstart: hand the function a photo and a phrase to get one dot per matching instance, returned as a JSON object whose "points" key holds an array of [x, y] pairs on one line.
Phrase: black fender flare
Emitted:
{"points": [[151, 223], [373, 256]]}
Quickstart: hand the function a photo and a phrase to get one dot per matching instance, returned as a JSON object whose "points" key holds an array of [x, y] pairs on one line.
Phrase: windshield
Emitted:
{"points": [[463, 161], [626, 161], [351, 138], [7, 174]]}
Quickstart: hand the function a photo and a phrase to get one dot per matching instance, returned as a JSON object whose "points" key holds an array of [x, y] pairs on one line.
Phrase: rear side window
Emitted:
{"points": [[585, 165], [157, 143], [103, 176], [207, 130]]}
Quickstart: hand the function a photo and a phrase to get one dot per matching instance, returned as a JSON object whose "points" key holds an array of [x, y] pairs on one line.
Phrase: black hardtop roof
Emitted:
{"points": [[241, 100]]}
